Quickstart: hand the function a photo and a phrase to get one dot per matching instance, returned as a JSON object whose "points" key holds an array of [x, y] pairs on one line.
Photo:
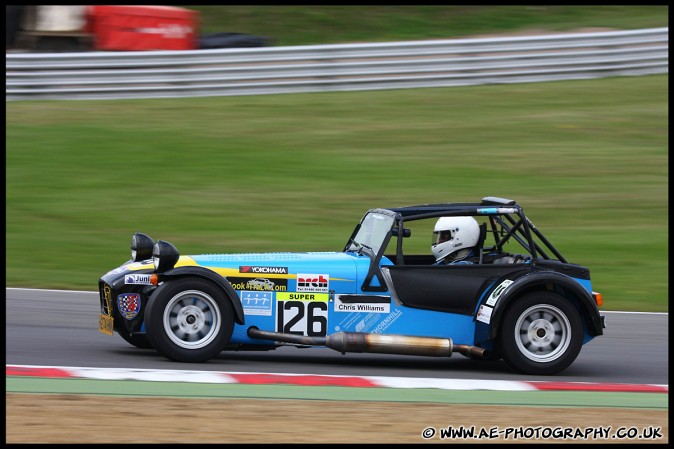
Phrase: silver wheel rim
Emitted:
{"points": [[192, 319], [543, 333]]}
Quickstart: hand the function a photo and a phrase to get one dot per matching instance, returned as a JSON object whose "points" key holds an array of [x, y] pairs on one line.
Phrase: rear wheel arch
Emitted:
{"points": [[566, 288]]}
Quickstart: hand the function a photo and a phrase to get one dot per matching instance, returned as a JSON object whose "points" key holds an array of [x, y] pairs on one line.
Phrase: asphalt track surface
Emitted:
{"points": [[60, 328]]}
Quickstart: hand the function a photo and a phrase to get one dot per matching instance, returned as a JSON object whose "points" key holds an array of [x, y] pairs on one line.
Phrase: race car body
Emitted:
{"points": [[531, 308]]}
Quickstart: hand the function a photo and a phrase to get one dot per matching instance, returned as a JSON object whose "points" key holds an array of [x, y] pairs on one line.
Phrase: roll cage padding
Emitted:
{"points": [[541, 279], [218, 280]]}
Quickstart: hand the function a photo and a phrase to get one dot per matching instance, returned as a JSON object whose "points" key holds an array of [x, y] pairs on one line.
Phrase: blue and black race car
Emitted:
{"points": [[513, 296]]}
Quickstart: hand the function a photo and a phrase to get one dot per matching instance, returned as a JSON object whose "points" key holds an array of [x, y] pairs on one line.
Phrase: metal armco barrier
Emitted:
{"points": [[326, 68]]}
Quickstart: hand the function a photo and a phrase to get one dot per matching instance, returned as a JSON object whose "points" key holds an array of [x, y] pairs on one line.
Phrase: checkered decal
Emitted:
{"points": [[128, 305]]}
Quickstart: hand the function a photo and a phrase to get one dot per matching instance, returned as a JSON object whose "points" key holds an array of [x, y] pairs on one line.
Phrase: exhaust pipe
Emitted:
{"points": [[389, 344], [472, 352], [376, 343]]}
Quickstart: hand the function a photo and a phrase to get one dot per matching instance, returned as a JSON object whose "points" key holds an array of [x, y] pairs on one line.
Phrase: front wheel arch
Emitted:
{"points": [[219, 281]]}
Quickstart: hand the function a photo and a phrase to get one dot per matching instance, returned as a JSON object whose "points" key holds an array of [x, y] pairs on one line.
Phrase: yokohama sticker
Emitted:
{"points": [[263, 270], [128, 305]]}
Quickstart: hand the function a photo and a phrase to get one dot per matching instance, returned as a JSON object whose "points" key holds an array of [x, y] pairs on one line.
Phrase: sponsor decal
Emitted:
{"points": [[484, 314], [260, 284], [360, 303], [313, 283], [323, 297], [302, 314], [262, 270], [257, 303], [128, 305], [369, 321], [498, 291], [137, 279], [387, 322], [496, 210]]}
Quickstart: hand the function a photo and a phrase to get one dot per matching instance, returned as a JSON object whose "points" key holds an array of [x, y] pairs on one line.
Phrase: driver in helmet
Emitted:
{"points": [[455, 240]]}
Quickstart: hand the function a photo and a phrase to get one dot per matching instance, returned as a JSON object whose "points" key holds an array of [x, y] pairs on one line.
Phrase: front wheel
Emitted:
{"points": [[189, 320], [541, 333]]}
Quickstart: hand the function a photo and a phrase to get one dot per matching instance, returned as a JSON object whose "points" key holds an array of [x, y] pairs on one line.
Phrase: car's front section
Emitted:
{"points": [[284, 292], [124, 293]]}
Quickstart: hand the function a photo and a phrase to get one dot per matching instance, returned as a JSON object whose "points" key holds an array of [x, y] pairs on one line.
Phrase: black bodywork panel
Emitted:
{"points": [[447, 288], [111, 286]]}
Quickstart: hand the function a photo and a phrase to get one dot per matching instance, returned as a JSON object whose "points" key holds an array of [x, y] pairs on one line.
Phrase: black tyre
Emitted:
{"points": [[541, 333], [189, 320], [138, 340]]}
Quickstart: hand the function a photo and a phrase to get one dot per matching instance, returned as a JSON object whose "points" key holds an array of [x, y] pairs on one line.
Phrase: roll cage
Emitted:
{"points": [[506, 222]]}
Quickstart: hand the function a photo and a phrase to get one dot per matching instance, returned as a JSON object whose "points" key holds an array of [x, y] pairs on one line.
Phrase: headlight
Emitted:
{"points": [[141, 247], [164, 256]]}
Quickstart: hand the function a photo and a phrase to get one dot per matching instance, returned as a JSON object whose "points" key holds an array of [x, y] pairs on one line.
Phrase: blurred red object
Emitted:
{"points": [[132, 28]]}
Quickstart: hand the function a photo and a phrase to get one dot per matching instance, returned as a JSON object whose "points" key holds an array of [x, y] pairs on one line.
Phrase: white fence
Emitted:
{"points": [[322, 68]]}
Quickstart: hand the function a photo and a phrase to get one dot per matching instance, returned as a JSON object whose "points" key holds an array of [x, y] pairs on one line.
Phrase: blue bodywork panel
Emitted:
{"points": [[320, 293]]}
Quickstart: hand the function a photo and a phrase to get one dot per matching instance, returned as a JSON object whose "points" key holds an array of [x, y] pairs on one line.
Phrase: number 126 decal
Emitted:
{"points": [[302, 314]]}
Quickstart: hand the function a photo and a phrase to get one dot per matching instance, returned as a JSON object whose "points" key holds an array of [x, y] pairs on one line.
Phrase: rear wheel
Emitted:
{"points": [[541, 333], [189, 320]]}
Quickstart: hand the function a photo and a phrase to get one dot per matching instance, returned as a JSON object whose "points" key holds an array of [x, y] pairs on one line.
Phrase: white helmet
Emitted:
{"points": [[452, 234]]}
